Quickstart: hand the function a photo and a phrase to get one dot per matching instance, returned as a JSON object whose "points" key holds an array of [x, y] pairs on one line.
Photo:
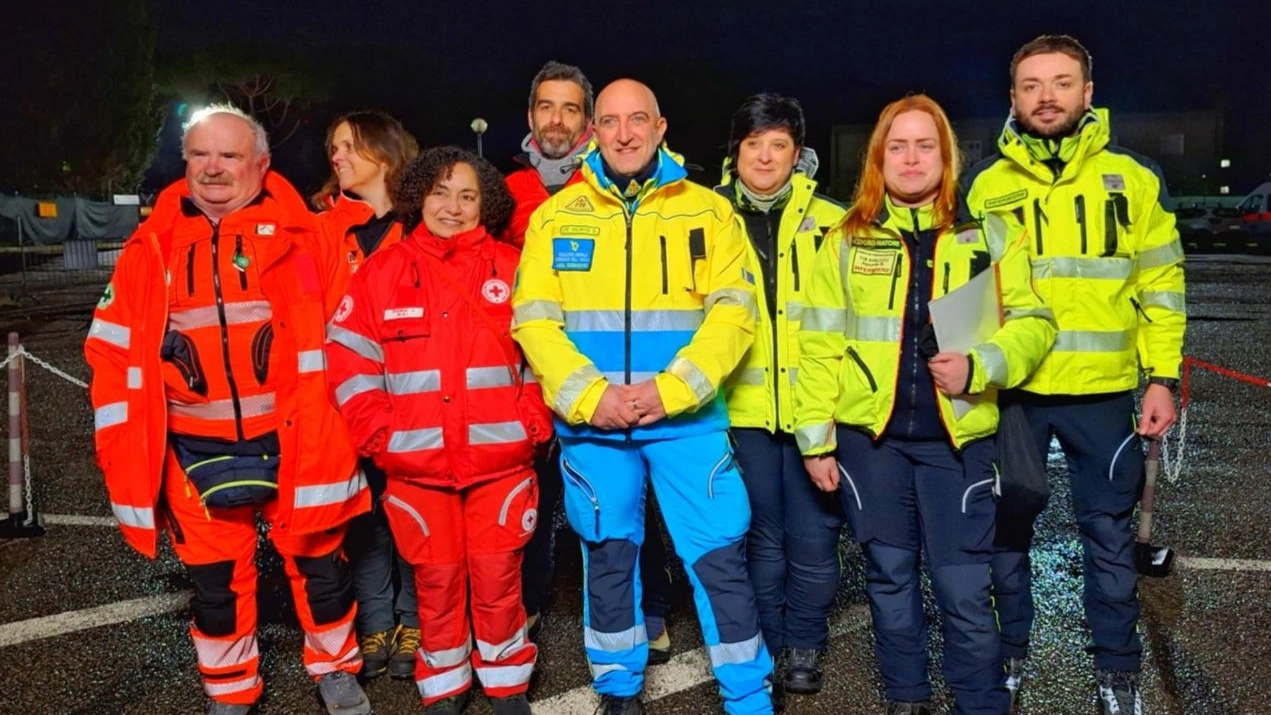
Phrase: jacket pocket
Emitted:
{"points": [[869, 376]]}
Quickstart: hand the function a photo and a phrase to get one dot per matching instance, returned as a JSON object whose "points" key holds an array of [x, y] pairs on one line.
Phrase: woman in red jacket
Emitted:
{"points": [[431, 385], [368, 151]]}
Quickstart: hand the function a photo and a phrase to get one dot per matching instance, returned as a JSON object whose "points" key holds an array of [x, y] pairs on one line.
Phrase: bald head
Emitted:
{"points": [[629, 126]]}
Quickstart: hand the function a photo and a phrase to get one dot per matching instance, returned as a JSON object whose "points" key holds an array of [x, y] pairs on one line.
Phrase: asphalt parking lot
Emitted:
{"points": [[89, 627]]}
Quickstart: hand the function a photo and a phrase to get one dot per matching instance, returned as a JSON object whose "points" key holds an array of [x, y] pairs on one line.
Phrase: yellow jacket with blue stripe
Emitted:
{"points": [[611, 291], [1105, 253], [760, 392], [853, 325]]}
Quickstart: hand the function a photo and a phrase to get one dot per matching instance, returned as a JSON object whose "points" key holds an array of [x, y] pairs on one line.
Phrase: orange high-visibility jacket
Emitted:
{"points": [[345, 213], [436, 375], [319, 486]]}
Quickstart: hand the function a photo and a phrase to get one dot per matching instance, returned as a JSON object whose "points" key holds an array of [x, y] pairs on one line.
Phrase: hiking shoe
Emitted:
{"points": [[406, 642], [533, 626], [342, 695], [659, 645], [376, 649], [218, 708], [1119, 692], [616, 705], [895, 707], [452, 705], [803, 671], [511, 705], [1014, 680]]}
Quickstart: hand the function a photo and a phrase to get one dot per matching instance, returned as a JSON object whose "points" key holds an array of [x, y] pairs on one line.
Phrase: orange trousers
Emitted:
{"points": [[466, 547], [218, 549]]}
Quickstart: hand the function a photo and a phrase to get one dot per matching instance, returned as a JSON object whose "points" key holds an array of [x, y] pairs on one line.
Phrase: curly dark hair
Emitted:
{"points": [[435, 164]]}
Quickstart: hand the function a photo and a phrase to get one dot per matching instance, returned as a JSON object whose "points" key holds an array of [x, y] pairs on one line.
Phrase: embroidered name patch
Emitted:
{"points": [[572, 254], [1010, 198], [576, 230], [265, 229], [403, 313], [873, 263]]}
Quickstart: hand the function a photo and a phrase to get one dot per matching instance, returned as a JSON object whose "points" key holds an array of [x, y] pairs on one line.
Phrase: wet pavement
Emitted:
{"points": [[1206, 629]]}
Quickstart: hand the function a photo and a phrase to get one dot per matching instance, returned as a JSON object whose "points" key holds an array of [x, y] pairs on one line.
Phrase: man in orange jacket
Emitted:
{"points": [[209, 404]]}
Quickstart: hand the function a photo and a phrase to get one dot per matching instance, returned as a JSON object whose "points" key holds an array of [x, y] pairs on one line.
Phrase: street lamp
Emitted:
{"points": [[479, 126]]}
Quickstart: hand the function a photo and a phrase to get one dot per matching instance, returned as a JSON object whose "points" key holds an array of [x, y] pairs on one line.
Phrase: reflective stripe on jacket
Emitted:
{"points": [[760, 392], [1106, 258], [611, 295], [411, 358], [852, 328], [319, 486]]}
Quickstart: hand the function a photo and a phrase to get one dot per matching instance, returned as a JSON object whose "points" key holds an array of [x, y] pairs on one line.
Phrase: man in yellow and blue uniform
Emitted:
{"points": [[632, 305], [1106, 257]]}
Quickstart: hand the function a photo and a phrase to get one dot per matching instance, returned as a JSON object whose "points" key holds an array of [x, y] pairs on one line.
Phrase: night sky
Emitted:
{"points": [[438, 65]]}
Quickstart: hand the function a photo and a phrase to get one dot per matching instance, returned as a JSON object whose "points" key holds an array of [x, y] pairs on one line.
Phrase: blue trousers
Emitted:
{"points": [[904, 499], [792, 545], [704, 503], [383, 583], [1105, 470], [537, 566]]}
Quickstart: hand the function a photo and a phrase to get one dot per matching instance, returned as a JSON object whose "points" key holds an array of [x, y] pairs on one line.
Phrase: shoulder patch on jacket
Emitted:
{"points": [[582, 203], [1113, 182], [996, 201], [572, 254], [108, 296]]}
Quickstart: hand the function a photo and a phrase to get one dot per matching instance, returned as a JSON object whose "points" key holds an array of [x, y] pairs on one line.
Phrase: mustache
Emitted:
{"points": [[218, 180], [1047, 108]]}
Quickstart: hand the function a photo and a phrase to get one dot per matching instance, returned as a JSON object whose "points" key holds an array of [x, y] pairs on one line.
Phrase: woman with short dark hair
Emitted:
{"points": [[791, 547], [424, 370]]}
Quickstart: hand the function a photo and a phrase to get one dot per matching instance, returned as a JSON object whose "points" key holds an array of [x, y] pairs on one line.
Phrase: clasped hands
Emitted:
{"points": [[627, 406]]}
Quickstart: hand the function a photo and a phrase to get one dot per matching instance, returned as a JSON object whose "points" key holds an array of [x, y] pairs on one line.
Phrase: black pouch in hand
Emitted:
{"points": [[230, 474]]}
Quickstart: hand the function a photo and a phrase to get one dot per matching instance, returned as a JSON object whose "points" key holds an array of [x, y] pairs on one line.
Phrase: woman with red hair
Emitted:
{"points": [[876, 419]]}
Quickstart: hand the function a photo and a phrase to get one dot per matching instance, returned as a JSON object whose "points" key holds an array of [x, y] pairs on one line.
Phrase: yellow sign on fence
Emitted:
{"points": [[46, 209]]}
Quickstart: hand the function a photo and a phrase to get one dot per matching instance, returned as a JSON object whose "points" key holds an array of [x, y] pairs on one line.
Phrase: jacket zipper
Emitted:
{"points": [[794, 262], [1138, 308], [585, 487], [895, 276], [626, 323], [856, 358], [1037, 223], [189, 271], [914, 294], [220, 315], [1080, 203], [665, 282], [242, 270]]}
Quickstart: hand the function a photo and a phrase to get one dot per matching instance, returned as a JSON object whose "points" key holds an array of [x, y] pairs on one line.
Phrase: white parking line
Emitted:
{"points": [[684, 671], [72, 621], [76, 520], [1204, 564]]}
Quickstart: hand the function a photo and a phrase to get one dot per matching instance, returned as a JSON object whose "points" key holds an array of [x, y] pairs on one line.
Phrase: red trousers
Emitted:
{"points": [[218, 548], [466, 547]]}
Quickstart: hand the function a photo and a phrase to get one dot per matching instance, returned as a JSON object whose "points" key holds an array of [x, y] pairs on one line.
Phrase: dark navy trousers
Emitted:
{"points": [[1105, 470], [792, 544], [906, 499]]}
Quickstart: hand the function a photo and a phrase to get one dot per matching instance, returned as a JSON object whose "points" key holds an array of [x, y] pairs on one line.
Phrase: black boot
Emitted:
{"points": [[803, 671]]}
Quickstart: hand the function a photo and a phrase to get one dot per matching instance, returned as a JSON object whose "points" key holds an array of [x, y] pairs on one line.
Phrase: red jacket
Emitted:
{"points": [[526, 187], [318, 483], [344, 214], [430, 384]]}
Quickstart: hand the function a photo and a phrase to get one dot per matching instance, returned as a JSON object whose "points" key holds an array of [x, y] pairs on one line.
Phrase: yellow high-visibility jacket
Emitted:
{"points": [[1105, 254], [760, 392], [615, 293], [853, 325]]}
